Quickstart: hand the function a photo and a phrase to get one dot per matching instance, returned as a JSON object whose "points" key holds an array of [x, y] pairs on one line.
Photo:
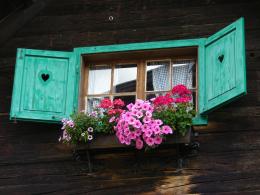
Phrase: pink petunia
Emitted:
{"points": [[146, 119], [139, 114], [148, 114], [137, 124], [148, 133], [139, 144], [167, 130], [130, 106], [158, 122], [149, 141], [157, 140]]}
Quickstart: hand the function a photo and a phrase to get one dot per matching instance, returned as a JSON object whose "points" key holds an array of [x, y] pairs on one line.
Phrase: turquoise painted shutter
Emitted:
{"points": [[45, 86], [222, 73]]}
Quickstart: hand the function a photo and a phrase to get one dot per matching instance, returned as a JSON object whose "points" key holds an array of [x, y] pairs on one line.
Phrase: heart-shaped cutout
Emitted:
{"points": [[45, 77], [221, 58]]}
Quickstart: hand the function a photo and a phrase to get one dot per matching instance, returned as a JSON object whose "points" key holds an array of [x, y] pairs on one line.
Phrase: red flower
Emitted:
{"points": [[118, 103], [163, 100], [180, 90], [106, 103]]}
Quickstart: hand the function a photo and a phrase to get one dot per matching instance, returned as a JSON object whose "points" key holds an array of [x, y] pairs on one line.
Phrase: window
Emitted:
{"points": [[61, 83], [138, 74]]}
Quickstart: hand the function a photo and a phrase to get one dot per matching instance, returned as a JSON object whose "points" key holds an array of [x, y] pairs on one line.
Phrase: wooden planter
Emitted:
{"points": [[111, 141]]}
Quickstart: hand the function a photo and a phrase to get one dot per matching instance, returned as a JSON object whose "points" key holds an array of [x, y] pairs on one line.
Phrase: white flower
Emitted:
{"points": [[90, 137], [83, 134], [90, 129]]}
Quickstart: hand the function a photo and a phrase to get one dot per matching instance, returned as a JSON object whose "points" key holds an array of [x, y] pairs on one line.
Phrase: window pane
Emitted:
{"points": [[93, 102], [183, 72], [127, 99], [158, 76], [99, 79], [125, 78]]}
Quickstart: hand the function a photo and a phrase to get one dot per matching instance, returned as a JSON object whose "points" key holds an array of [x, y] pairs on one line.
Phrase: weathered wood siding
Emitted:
{"points": [[31, 160]]}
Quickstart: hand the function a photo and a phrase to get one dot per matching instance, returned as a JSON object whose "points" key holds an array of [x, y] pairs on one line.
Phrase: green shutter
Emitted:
{"points": [[222, 73], [45, 86]]}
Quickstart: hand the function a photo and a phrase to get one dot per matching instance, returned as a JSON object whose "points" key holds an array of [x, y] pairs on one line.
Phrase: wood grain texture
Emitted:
{"points": [[31, 159]]}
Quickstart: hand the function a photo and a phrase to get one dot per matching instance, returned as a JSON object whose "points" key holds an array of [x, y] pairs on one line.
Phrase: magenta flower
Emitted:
{"points": [[158, 140], [148, 114], [158, 122], [139, 144], [146, 119], [167, 130], [149, 141], [139, 114], [137, 124]]}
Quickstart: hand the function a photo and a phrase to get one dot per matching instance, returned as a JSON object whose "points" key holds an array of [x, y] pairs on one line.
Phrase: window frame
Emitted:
{"points": [[198, 43]]}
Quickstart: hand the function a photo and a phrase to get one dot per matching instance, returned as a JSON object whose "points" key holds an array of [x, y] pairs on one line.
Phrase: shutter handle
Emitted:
{"points": [[221, 58]]}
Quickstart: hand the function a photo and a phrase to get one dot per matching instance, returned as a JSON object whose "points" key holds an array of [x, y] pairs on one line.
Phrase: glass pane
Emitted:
{"points": [[183, 72], [99, 79], [93, 102], [158, 76], [125, 78], [127, 99]]}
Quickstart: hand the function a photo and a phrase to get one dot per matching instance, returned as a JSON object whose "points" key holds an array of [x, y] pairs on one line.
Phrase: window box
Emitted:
{"points": [[111, 141]]}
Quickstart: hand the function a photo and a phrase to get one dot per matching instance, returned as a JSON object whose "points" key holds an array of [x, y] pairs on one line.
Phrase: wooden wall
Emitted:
{"points": [[32, 161]]}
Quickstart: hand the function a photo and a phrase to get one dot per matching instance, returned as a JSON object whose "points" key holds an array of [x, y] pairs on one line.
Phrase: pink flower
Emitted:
{"points": [[139, 144], [157, 140], [158, 122], [149, 141], [146, 119], [132, 135], [144, 128], [138, 132], [137, 124], [131, 121], [130, 106], [148, 133], [127, 132], [166, 129], [127, 141], [145, 106], [112, 119], [157, 130], [139, 114], [148, 114]]}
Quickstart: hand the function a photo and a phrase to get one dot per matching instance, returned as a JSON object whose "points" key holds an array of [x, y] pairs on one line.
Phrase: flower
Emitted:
{"points": [[148, 114], [149, 141], [112, 119], [146, 119], [83, 134], [180, 90], [139, 144], [90, 129], [106, 103], [118, 103], [166, 129], [90, 137], [157, 140]]}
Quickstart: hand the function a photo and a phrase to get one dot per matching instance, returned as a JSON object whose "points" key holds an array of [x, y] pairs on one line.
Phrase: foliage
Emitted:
{"points": [[175, 109]]}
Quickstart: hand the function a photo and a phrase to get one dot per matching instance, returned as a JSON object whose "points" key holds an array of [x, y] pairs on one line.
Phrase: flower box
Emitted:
{"points": [[111, 141]]}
